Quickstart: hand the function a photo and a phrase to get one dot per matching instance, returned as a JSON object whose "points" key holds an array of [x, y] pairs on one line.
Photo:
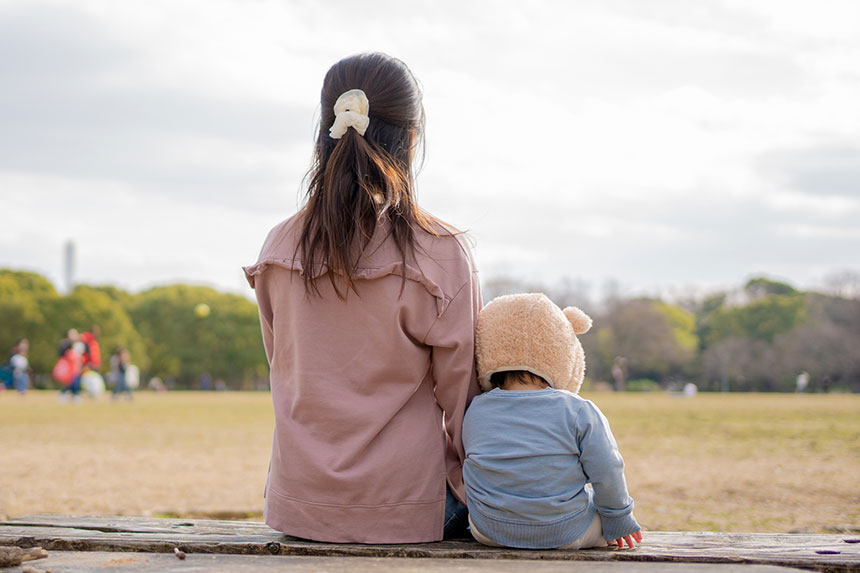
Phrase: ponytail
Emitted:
{"points": [[357, 181]]}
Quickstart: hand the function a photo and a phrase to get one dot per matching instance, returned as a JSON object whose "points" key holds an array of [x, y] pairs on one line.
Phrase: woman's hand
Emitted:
{"points": [[631, 540]]}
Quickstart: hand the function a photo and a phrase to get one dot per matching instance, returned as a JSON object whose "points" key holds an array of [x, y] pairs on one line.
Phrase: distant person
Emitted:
{"points": [[7, 382], [802, 382], [619, 373], [368, 308], [120, 361], [17, 367], [69, 366], [156, 384], [72, 336], [92, 355], [532, 444]]}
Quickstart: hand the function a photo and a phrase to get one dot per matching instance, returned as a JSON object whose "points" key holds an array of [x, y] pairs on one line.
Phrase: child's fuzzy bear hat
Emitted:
{"points": [[530, 332]]}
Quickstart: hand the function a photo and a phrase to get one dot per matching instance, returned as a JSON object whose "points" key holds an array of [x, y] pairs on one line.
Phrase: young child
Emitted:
{"points": [[532, 444]]}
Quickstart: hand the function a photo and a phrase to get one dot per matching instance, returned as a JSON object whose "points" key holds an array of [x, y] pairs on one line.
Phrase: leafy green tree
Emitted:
{"points": [[85, 307], [656, 339], [703, 311], [123, 297], [24, 297], [739, 364], [761, 319], [825, 345], [190, 330], [762, 286]]}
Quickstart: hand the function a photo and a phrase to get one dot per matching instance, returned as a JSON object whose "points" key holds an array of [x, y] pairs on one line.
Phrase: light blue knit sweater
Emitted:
{"points": [[529, 454]]}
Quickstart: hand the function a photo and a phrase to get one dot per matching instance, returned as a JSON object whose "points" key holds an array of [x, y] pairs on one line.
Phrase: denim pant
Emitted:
{"points": [[121, 385], [74, 388], [456, 518], [22, 380]]}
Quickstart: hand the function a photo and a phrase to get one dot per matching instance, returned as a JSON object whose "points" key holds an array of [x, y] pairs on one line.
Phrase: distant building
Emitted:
{"points": [[69, 266]]}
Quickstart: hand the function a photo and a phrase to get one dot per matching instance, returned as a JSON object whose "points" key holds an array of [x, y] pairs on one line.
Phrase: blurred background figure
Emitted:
{"points": [[619, 373], [802, 382], [132, 376], [72, 336], [67, 371], [92, 383], [156, 384], [6, 376], [119, 367], [92, 354], [91, 380], [15, 372]]}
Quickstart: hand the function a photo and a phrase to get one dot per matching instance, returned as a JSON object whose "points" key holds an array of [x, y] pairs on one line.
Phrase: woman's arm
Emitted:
{"points": [[452, 337], [264, 289]]}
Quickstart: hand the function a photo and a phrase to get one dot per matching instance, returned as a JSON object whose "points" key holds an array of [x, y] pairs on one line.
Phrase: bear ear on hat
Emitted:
{"points": [[581, 322]]}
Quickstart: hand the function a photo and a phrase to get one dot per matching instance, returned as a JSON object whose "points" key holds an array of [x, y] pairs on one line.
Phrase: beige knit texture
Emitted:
{"points": [[530, 332]]}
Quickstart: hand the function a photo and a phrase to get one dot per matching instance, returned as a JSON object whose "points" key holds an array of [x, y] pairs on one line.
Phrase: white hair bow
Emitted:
{"points": [[350, 110]]}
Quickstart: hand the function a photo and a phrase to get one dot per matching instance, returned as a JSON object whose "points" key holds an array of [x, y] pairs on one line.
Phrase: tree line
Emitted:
{"points": [[162, 327], [757, 338]]}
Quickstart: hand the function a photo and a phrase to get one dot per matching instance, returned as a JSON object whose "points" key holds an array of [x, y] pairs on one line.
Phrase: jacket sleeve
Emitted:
{"points": [[604, 468], [452, 338]]}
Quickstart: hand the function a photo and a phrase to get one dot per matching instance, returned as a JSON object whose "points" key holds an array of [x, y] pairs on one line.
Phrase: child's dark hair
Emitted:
{"points": [[357, 180], [502, 379]]}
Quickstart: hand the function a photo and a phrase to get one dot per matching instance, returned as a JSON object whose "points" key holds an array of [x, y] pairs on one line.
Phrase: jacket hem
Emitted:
{"points": [[407, 522]]}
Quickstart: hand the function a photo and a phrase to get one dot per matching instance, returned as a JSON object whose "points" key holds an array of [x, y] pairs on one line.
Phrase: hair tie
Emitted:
{"points": [[350, 110]]}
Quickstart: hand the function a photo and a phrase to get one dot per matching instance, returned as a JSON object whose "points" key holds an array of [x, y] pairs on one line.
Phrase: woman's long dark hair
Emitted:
{"points": [[356, 181]]}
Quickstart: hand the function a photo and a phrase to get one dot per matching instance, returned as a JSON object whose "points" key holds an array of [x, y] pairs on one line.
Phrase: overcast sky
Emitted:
{"points": [[660, 143]]}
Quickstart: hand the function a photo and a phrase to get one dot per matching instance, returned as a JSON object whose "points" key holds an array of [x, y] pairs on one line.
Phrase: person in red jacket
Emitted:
{"points": [[92, 354], [70, 364]]}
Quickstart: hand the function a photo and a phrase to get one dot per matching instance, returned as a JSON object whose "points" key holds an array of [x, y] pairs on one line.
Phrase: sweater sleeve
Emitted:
{"points": [[264, 290], [452, 338], [604, 468]]}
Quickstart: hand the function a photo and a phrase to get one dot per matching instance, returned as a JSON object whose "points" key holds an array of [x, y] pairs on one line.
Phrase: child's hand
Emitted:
{"points": [[630, 539]]}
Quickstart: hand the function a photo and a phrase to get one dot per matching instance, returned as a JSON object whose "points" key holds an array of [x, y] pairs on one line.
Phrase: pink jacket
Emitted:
{"points": [[369, 392]]}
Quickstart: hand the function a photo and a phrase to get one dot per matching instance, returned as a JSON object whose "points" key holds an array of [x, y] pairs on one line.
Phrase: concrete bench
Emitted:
{"points": [[136, 544]]}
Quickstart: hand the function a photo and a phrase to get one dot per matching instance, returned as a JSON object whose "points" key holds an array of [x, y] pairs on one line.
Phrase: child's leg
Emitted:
{"points": [[593, 537]]}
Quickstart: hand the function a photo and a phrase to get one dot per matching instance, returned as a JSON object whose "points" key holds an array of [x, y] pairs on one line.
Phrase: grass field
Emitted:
{"points": [[736, 462]]}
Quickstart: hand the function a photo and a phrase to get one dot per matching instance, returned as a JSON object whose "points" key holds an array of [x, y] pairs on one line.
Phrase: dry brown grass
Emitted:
{"points": [[162, 454], [738, 462]]}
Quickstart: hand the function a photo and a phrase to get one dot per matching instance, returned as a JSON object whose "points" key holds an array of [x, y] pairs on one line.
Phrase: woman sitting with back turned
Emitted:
{"points": [[368, 308]]}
